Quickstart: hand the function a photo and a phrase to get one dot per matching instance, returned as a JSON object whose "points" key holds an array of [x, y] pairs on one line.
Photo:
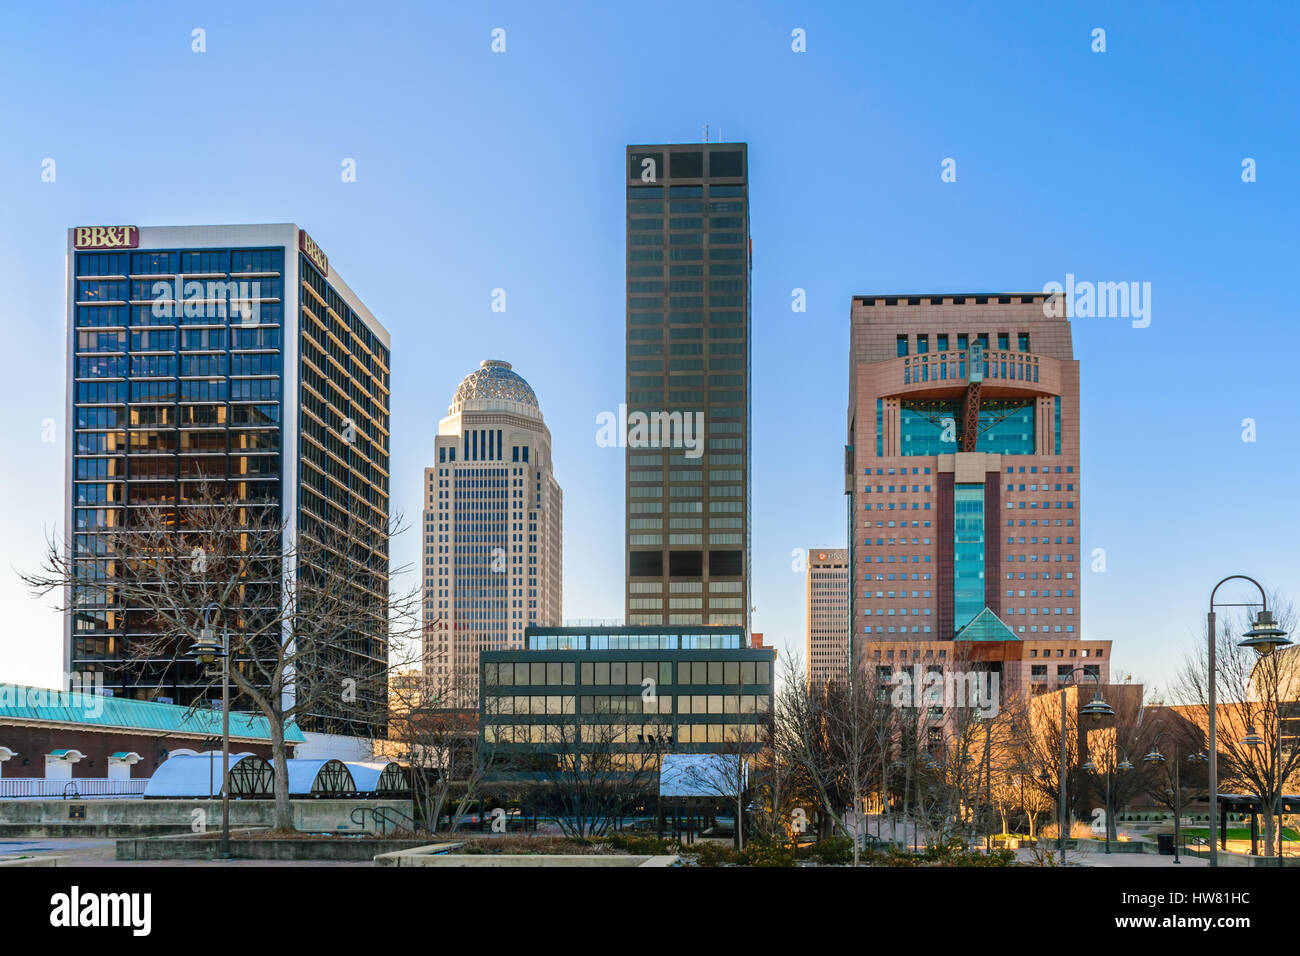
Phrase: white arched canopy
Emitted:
{"points": [[199, 775], [319, 778], [378, 777]]}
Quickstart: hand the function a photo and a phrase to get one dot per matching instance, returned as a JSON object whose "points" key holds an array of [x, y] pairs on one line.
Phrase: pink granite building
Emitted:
{"points": [[962, 480]]}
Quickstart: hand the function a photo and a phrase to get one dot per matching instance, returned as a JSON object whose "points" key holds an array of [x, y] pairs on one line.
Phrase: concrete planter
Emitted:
{"points": [[359, 848], [40, 859], [435, 854], [59, 819]]}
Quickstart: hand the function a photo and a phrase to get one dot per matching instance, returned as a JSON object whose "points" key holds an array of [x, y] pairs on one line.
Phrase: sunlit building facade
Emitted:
{"points": [[963, 483], [826, 643]]}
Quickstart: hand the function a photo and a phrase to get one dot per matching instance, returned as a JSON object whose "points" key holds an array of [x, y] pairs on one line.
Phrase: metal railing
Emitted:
{"points": [[388, 819], [79, 787]]}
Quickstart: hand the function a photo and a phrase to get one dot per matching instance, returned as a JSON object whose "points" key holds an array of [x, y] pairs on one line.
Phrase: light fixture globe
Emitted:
{"points": [[1155, 756], [1097, 708], [1264, 635]]}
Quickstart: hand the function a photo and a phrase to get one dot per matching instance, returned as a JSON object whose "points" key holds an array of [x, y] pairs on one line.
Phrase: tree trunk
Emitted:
{"points": [[283, 819]]}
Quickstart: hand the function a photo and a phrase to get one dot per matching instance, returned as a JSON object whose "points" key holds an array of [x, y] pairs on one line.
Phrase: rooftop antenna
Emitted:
{"points": [[706, 132]]}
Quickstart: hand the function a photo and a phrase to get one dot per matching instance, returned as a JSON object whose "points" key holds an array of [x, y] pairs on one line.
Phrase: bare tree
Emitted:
{"points": [[833, 734], [439, 742], [773, 785], [592, 772], [307, 608]]}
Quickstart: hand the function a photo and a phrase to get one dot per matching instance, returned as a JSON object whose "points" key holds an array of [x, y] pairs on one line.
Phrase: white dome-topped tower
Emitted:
{"points": [[493, 514]]}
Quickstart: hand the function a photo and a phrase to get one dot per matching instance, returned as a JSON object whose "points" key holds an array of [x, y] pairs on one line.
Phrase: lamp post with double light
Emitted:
{"points": [[1155, 757], [1095, 709], [1121, 767], [1264, 636]]}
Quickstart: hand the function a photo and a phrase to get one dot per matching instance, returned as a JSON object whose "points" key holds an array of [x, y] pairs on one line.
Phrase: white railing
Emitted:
{"points": [[78, 787]]}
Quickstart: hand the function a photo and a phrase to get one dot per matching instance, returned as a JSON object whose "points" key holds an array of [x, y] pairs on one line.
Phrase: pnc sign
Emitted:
{"points": [[105, 237], [313, 252]]}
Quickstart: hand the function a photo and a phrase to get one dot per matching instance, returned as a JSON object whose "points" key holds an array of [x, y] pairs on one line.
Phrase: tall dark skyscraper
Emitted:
{"points": [[688, 396], [234, 358]]}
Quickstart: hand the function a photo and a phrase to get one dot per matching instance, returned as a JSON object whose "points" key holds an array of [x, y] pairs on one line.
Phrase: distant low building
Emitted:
{"points": [[46, 733], [827, 639]]}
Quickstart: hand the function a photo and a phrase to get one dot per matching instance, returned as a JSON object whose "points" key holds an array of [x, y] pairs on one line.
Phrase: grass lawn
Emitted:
{"points": [[1239, 833]]}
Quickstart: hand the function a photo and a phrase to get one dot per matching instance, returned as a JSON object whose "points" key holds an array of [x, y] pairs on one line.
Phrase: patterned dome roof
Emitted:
{"points": [[494, 380]]}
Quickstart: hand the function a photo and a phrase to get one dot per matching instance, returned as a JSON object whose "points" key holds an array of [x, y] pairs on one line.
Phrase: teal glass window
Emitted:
{"points": [[880, 428], [931, 427], [968, 553], [1057, 425]]}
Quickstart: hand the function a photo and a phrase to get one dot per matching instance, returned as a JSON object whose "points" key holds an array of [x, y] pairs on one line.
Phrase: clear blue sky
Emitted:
{"points": [[478, 170]]}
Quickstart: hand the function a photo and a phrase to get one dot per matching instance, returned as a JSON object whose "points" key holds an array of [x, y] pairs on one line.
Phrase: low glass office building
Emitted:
{"points": [[626, 692]]}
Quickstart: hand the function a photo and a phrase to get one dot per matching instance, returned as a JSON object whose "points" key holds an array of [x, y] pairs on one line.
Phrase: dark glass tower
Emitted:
{"points": [[229, 356], [688, 394]]}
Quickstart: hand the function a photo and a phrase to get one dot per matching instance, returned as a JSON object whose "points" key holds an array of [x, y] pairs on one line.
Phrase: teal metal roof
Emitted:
{"points": [[18, 702], [985, 626]]}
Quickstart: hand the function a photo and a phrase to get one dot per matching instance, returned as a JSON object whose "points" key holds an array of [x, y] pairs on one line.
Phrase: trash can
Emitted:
{"points": [[1166, 841]]}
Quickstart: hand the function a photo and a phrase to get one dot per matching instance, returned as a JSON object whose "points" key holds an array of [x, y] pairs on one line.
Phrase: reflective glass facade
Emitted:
{"points": [[177, 374], [968, 552], [931, 427], [180, 374]]}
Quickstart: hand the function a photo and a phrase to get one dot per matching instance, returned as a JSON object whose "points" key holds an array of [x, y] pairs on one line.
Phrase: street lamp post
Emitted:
{"points": [[1156, 757], [1097, 708], [1263, 637], [1121, 767], [206, 649]]}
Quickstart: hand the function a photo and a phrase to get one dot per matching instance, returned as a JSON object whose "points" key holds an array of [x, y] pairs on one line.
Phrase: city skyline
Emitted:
{"points": [[986, 230]]}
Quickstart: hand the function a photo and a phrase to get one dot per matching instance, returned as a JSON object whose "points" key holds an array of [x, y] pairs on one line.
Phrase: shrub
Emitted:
{"points": [[642, 845], [768, 853], [831, 851]]}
